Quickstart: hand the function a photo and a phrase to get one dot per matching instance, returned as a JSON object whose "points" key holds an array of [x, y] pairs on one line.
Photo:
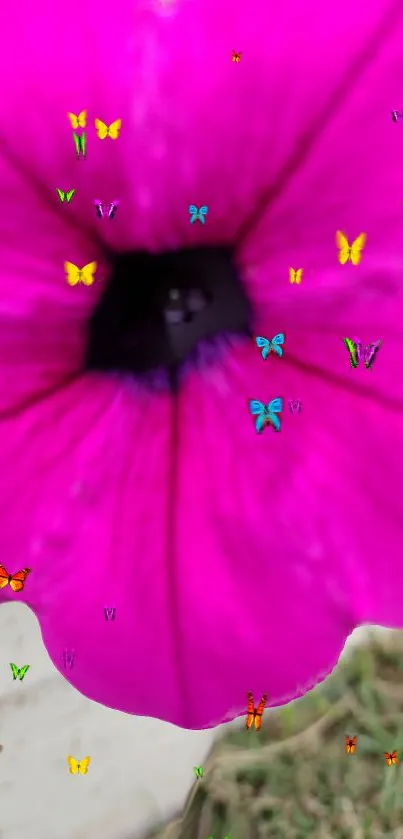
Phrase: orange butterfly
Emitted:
{"points": [[255, 714], [236, 56], [391, 758], [351, 744], [16, 581]]}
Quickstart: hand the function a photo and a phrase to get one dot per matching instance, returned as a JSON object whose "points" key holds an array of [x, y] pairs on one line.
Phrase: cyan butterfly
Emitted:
{"points": [[266, 414], [274, 345], [197, 213]]}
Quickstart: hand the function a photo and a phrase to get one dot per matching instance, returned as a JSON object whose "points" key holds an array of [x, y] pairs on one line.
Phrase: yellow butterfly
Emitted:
{"points": [[111, 130], [76, 275], [78, 122], [296, 275], [78, 766], [350, 253]]}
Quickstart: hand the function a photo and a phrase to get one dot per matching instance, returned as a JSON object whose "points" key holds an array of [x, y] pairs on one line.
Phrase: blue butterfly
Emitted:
{"points": [[266, 414], [197, 213], [268, 346]]}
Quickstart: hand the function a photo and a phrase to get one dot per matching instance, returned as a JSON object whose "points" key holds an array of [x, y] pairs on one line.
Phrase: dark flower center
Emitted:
{"points": [[159, 309]]}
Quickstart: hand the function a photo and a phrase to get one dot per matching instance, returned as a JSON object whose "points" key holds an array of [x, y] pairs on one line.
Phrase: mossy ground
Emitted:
{"points": [[294, 779]]}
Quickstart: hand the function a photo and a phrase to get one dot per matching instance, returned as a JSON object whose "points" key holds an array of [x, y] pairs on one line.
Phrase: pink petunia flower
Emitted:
{"points": [[130, 472]]}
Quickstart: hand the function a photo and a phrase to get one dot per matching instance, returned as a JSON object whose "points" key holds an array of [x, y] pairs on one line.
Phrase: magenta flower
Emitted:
{"points": [[131, 476]]}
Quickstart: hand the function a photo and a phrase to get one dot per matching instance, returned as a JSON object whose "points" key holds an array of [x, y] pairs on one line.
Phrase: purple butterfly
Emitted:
{"points": [[357, 351], [105, 210], [295, 406]]}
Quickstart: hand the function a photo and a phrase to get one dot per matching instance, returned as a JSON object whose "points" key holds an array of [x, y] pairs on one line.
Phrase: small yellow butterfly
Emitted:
{"points": [[111, 130], [296, 275], [350, 253], [78, 122], [76, 275], [78, 766]]}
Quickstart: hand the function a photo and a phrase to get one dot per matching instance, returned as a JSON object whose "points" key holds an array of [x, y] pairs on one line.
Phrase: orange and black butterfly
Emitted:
{"points": [[351, 744], [255, 714], [391, 758], [15, 581], [236, 56]]}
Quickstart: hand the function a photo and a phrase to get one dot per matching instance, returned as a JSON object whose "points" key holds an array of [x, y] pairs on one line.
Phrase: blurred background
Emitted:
{"points": [[293, 779]]}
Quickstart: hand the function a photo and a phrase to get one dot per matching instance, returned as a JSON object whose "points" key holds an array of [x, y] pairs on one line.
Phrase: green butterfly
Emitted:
{"points": [[80, 142], [65, 196], [198, 770], [19, 673]]}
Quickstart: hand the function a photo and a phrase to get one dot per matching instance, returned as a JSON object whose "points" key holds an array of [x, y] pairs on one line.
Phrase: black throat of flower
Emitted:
{"points": [[158, 310]]}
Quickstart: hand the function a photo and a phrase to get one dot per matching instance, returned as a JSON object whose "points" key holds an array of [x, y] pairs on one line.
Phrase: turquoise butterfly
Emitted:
{"points": [[196, 213], [266, 414], [267, 346]]}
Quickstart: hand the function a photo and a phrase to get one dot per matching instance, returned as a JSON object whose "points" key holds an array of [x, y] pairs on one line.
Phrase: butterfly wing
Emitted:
{"points": [[61, 194], [72, 273], [4, 577], [350, 744], [82, 119], [370, 354], [274, 407], [343, 246], [88, 273], [73, 119], [261, 421], [101, 129], [357, 247], [77, 143], [83, 144], [73, 765], [277, 341], [394, 757], [256, 407], [17, 580], [250, 710], [99, 208], [298, 275], [69, 195], [351, 348], [114, 129], [293, 275], [263, 344], [83, 765], [23, 670], [112, 207], [15, 670], [259, 711], [193, 209]]}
